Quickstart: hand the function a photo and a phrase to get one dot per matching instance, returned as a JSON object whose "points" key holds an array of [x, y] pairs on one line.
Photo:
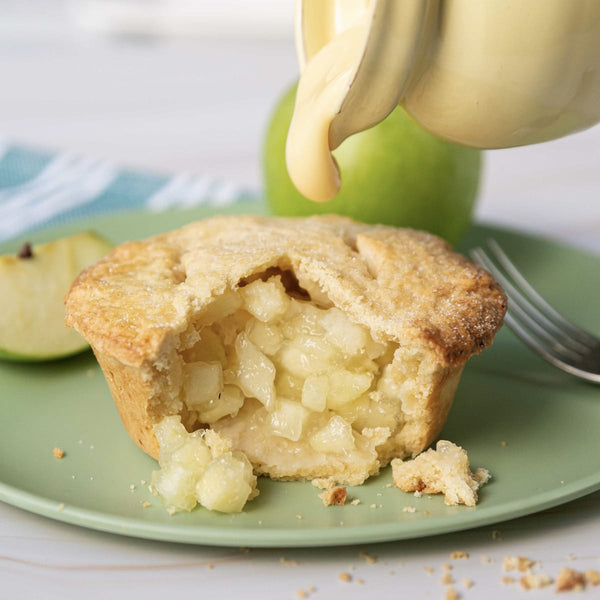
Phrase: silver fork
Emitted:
{"points": [[532, 319]]}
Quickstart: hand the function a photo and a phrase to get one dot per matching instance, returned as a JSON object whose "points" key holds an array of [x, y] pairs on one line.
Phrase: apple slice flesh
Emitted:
{"points": [[32, 289]]}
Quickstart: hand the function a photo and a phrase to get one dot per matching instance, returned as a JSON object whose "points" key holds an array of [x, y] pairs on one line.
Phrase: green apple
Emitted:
{"points": [[33, 284], [395, 173]]}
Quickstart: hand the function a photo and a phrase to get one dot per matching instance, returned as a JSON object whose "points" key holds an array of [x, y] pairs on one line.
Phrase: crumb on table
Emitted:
{"points": [[334, 496], [517, 563], [451, 594], [592, 577], [58, 453], [569, 579], [535, 581]]}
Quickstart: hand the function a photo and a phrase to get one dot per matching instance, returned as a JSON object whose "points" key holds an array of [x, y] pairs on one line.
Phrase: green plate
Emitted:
{"points": [[535, 428]]}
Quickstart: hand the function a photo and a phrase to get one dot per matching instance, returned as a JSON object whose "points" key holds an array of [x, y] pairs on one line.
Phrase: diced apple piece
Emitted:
{"points": [[288, 419], [266, 336], [170, 435], [208, 348], [288, 386], [32, 287], [227, 484], [228, 402], [314, 392], [307, 355], [256, 374], [302, 319], [346, 386], [265, 300], [349, 337], [336, 437], [222, 307], [176, 485], [194, 454], [203, 382]]}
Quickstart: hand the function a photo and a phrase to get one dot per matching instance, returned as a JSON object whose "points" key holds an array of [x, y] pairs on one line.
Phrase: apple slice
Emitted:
{"points": [[33, 284]]}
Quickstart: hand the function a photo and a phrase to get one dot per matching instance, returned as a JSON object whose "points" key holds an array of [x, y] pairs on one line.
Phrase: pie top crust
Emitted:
{"points": [[406, 286]]}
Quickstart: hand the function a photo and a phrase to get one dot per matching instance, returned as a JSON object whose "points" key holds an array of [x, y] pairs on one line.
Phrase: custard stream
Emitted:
{"points": [[322, 88]]}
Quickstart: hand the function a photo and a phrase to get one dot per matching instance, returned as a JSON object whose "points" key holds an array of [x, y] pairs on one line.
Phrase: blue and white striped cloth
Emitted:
{"points": [[41, 188]]}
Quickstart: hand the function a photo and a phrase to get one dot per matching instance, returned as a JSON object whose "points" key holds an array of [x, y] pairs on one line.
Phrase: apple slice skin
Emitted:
{"points": [[8, 356], [32, 288]]}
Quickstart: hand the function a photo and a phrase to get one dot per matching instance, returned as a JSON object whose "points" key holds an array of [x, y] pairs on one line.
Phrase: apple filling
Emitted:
{"points": [[290, 382], [200, 467]]}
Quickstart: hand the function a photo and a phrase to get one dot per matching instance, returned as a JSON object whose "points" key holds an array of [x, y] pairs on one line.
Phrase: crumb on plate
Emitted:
{"points": [[445, 470]]}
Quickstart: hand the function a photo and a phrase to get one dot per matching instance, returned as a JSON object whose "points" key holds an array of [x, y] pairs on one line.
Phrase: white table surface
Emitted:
{"points": [[201, 105]]}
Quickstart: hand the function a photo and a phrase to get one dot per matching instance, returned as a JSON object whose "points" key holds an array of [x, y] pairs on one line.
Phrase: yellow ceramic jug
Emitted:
{"points": [[482, 73]]}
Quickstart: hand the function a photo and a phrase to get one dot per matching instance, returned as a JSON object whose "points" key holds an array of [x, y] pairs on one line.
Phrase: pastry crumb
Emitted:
{"points": [[355, 502], [569, 579], [61, 507], [592, 577], [535, 581], [447, 579], [459, 555], [409, 509], [345, 577], [369, 558], [486, 560], [451, 594], [517, 563], [288, 563], [445, 470], [58, 453], [507, 580], [467, 583], [334, 496]]}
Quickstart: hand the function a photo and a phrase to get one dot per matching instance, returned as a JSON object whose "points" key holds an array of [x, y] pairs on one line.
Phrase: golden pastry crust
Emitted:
{"points": [[137, 307]]}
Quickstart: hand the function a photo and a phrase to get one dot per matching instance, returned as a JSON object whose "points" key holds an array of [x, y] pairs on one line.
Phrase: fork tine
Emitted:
{"points": [[560, 345], [549, 312], [530, 316], [548, 335], [543, 350]]}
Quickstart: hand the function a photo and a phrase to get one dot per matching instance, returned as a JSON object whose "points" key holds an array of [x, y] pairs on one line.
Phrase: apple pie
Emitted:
{"points": [[317, 347]]}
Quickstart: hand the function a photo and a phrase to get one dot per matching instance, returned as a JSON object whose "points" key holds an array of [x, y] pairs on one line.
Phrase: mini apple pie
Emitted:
{"points": [[317, 347]]}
